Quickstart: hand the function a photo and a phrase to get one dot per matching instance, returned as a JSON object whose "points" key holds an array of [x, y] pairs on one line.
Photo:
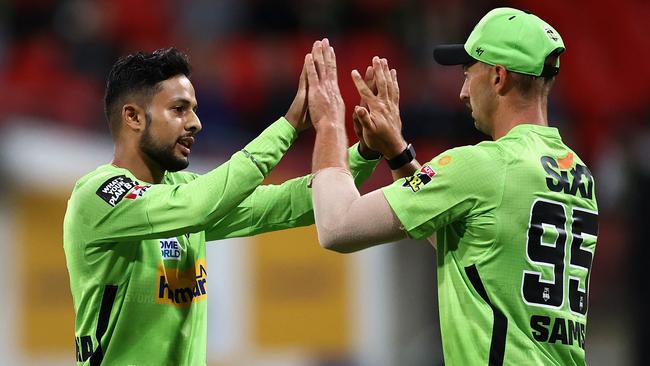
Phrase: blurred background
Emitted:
{"points": [[278, 299]]}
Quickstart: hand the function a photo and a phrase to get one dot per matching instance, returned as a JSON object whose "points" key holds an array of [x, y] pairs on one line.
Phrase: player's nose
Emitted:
{"points": [[464, 93], [194, 124]]}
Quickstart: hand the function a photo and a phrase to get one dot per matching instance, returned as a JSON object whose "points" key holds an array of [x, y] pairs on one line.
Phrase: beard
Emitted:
{"points": [[163, 155]]}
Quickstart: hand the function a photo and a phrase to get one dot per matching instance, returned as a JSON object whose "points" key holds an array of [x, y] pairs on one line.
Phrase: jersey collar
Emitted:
{"points": [[525, 128]]}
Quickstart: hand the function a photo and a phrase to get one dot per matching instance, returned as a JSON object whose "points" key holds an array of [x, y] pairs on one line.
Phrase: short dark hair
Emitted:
{"points": [[529, 84], [140, 73]]}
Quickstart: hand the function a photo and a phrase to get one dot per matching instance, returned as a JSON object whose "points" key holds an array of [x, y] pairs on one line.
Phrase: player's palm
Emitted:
{"points": [[298, 113], [326, 105], [381, 122]]}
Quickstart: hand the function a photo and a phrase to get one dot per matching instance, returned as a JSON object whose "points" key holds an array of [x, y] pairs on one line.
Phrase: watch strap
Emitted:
{"points": [[402, 159]]}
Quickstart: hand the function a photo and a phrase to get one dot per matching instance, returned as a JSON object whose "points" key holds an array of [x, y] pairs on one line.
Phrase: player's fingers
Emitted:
{"points": [[312, 74], [369, 74], [302, 82], [364, 92], [393, 76], [328, 59], [332, 66], [364, 118], [319, 60], [390, 89], [370, 79], [380, 80]]}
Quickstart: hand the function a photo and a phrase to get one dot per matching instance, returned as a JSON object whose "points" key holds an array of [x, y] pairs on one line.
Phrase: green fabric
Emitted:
{"points": [[517, 40], [277, 207], [482, 201], [139, 248]]}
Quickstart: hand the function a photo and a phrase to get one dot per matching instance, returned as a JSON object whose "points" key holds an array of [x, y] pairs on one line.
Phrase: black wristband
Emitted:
{"points": [[379, 155], [402, 159]]}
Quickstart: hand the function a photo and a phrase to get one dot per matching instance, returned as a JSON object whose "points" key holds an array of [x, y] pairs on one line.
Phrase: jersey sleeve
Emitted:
{"points": [[455, 184], [114, 207], [278, 207]]}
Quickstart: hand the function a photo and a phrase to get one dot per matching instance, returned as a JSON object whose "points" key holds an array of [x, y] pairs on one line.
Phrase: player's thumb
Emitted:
{"points": [[364, 117]]}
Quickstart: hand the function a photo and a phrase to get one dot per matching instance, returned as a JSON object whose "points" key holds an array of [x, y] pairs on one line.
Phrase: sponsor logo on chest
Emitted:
{"points": [[170, 249], [182, 287]]}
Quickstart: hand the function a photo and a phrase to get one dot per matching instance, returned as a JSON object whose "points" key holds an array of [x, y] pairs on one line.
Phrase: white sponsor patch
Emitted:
{"points": [[170, 249]]}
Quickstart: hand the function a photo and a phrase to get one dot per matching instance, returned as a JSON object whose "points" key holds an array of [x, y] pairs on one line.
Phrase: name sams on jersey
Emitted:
{"points": [[564, 331], [559, 180], [170, 249]]}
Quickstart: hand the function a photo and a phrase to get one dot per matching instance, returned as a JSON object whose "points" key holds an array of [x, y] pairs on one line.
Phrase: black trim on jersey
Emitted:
{"points": [[108, 299], [500, 326]]}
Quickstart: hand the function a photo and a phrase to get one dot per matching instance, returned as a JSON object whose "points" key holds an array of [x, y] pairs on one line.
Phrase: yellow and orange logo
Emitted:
{"points": [[182, 288], [445, 160]]}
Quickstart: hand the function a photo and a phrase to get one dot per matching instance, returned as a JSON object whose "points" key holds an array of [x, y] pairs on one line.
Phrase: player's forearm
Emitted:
{"points": [[361, 166], [330, 147], [284, 206], [265, 152], [346, 221], [269, 208]]}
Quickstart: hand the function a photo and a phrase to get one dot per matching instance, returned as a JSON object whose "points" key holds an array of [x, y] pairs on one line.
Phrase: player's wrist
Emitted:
{"points": [[328, 125], [367, 153], [394, 149], [406, 156]]}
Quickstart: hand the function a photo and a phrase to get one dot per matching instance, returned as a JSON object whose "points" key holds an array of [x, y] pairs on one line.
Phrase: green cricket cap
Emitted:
{"points": [[518, 40]]}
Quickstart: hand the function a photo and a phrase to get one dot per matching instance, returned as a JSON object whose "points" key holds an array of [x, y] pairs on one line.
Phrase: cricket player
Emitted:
{"points": [[515, 218], [135, 229]]}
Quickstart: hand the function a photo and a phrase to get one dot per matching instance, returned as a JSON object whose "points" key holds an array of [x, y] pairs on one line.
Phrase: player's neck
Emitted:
{"points": [[133, 160], [510, 115]]}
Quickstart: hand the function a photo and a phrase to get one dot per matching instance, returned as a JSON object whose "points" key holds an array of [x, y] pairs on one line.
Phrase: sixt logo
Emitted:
{"points": [[170, 249], [419, 179], [182, 288], [580, 181]]}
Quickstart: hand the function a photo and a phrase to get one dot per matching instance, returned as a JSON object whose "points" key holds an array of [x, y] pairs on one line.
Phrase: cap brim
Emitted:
{"points": [[451, 54]]}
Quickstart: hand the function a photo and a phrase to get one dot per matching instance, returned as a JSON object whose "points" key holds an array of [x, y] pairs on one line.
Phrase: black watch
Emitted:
{"points": [[402, 159]]}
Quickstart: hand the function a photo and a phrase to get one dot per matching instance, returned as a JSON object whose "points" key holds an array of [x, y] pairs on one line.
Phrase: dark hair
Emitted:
{"points": [[528, 84], [140, 73]]}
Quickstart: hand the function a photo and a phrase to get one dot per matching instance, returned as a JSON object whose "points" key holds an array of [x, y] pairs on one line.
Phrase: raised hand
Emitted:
{"points": [[298, 113], [381, 122], [326, 105], [326, 108], [364, 150]]}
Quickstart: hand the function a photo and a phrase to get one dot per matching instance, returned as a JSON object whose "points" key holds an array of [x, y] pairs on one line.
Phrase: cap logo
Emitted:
{"points": [[551, 34], [479, 51]]}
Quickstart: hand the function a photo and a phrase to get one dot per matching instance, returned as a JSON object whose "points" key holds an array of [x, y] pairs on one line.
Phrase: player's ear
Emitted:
{"points": [[500, 79], [133, 117]]}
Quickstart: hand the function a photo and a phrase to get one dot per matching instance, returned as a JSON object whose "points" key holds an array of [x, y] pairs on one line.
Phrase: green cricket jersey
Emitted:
{"points": [[516, 224], [135, 251]]}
